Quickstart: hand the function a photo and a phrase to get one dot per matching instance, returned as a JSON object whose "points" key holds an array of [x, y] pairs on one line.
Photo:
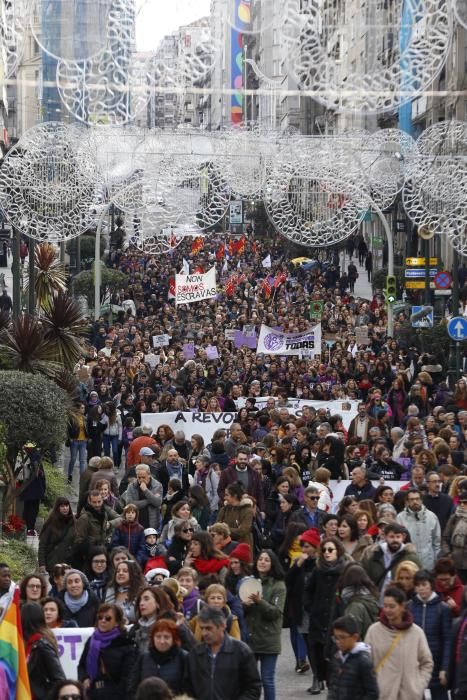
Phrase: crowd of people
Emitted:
{"points": [[189, 557]]}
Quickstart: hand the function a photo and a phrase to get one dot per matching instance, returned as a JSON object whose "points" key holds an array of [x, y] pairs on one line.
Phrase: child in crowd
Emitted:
{"points": [[188, 579], [130, 534], [154, 554], [352, 674], [216, 597]]}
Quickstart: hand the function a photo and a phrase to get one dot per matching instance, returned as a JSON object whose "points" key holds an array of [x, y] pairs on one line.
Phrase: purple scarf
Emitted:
{"points": [[99, 641]]}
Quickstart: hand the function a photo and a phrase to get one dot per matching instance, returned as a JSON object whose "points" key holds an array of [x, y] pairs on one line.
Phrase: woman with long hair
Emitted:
{"points": [[199, 504], [56, 539], [124, 587], [113, 431], [205, 557], [44, 668], [96, 426], [320, 601], [197, 449], [399, 650], [288, 505], [108, 657], [357, 596], [263, 615], [151, 602], [332, 457], [354, 543], [67, 688]]}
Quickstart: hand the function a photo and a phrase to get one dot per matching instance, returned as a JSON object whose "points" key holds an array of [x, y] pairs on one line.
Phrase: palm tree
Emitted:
{"points": [[62, 321], [50, 275], [23, 347]]}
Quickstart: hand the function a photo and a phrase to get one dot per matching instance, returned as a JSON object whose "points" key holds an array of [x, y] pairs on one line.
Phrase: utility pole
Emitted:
{"points": [[32, 275], [15, 268], [426, 252], [454, 347]]}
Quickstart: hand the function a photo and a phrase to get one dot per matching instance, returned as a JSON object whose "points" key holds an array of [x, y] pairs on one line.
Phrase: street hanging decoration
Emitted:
{"points": [[49, 184], [13, 35], [353, 62]]}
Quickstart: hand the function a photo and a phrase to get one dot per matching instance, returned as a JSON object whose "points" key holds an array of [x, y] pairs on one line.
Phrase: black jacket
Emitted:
{"points": [[170, 667], [361, 493], [296, 580], [442, 506], [320, 598], [115, 665], [353, 677], [234, 677], [164, 478], [44, 668], [86, 616]]}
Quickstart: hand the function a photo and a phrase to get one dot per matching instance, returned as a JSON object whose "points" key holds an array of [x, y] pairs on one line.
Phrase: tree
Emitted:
{"points": [[62, 322], [379, 278], [23, 347], [112, 281], [33, 408], [50, 275], [87, 244]]}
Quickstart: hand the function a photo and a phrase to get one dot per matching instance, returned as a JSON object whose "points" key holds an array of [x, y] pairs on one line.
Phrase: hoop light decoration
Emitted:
{"points": [[48, 184], [352, 64], [14, 28]]}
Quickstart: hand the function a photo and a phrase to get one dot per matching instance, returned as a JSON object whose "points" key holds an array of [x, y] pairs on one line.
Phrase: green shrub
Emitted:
{"points": [[56, 485], [21, 558]]}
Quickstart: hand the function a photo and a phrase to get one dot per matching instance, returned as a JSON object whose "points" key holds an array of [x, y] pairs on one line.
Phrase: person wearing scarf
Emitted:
{"points": [[43, 663], [108, 657], [204, 557], [79, 602], [399, 650]]}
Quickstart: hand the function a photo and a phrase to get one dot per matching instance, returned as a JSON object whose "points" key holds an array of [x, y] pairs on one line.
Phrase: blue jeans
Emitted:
{"points": [[267, 666], [111, 441], [77, 447], [298, 643]]}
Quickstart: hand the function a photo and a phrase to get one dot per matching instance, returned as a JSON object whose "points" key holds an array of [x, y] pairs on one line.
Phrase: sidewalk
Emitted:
{"points": [[363, 288]]}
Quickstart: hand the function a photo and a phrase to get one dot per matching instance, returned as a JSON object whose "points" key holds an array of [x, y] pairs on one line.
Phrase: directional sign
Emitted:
{"points": [[414, 273], [417, 284], [443, 280], [457, 328], [426, 321], [418, 262]]}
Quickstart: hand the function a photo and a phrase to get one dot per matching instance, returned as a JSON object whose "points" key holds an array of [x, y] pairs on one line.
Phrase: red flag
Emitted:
{"points": [[280, 279], [231, 248], [196, 246], [171, 288], [266, 287], [239, 246], [220, 253]]}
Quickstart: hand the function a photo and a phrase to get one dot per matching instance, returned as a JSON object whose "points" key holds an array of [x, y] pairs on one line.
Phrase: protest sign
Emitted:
{"points": [[361, 335], [230, 333], [338, 489], [188, 351], [212, 352], [196, 287], [347, 409], [204, 424], [160, 341], [71, 641], [152, 360], [274, 342], [241, 339]]}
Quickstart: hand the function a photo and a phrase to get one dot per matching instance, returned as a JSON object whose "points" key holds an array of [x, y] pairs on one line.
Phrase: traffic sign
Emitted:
{"points": [[417, 284], [443, 280], [457, 328], [425, 320], [419, 262], [413, 273]]}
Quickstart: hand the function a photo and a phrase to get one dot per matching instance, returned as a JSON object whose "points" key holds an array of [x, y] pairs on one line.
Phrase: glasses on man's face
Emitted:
{"points": [[189, 529], [313, 498], [105, 618], [329, 550]]}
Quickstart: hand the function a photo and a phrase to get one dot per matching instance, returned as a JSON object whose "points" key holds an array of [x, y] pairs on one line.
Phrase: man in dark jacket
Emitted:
{"points": [[221, 667], [242, 472], [383, 558], [352, 674], [92, 527], [360, 487], [439, 503], [309, 514]]}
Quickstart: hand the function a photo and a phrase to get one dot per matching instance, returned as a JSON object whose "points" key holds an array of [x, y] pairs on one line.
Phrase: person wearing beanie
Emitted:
{"points": [[243, 553], [79, 601], [296, 580]]}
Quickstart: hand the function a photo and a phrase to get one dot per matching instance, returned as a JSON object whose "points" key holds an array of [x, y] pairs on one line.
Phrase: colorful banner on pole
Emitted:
{"points": [[274, 342], [196, 287]]}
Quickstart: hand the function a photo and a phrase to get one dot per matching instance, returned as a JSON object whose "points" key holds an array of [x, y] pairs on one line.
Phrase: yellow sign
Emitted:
{"points": [[417, 284], [419, 262]]}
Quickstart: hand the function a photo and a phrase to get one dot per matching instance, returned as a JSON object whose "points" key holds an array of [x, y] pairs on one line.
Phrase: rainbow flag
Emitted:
{"points": [[13, 668]]}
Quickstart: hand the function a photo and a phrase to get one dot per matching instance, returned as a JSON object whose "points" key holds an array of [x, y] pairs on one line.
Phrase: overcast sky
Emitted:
{"points": [[156, 18]]}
